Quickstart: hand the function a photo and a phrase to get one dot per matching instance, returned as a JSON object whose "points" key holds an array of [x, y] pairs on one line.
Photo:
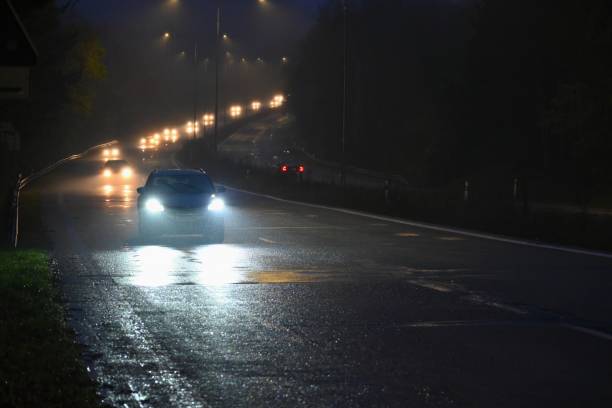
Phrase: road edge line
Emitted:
{"points": [[433, 227]]}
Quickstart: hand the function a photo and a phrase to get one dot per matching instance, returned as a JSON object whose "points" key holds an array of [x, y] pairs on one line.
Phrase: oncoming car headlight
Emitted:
{"points": [[107, 173], [216, 204], [153, 205], [126, 172]]}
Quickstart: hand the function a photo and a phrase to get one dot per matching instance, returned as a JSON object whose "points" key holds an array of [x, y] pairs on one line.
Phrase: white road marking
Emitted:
{"points": [[282, 228], [470, 323], [407, 234], [267, 241], [490, 237], [433, 286], [485, 236], [586, 330]]}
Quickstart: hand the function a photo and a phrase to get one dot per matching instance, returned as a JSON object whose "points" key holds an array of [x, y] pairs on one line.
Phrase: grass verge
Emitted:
{"points": [[40, 362]]}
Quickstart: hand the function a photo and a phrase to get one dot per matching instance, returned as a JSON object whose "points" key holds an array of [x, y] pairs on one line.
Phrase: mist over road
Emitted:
{"points": [[314, 307]]}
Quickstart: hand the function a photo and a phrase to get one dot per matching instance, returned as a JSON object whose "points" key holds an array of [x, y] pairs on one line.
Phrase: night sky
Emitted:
{"points": [[273, 28]]}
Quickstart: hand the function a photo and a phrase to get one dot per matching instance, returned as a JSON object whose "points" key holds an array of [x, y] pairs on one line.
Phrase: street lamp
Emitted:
{"points": [[217, 60], [217, 48], [167, 36]]}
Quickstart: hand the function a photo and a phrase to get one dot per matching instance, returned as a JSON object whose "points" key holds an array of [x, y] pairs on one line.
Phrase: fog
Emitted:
{"points": [[153, 79]]}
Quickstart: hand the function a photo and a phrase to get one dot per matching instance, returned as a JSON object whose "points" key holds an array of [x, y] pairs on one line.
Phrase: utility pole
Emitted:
{"points": [[217, 45], [344, 91], [195, 90]]}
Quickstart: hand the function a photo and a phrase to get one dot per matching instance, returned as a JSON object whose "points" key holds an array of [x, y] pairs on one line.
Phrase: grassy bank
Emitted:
{"points": [[41, 364]]}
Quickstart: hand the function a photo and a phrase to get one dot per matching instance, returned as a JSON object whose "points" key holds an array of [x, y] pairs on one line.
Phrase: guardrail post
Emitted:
{"points": [[14, 214], [466, 191], [515, 189], [387, 191]]}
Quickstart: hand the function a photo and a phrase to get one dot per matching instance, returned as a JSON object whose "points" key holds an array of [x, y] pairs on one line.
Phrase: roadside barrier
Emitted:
{"points": [[22, 182]]}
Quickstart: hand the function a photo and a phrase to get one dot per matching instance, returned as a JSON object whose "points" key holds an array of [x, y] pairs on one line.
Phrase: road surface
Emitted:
{"points": [[307, 306]]}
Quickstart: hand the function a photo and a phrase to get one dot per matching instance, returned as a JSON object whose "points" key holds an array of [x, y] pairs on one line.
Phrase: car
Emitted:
{"points": [[117, 168], [108, 153], [177, 201], [291, 168], [286, 163]]}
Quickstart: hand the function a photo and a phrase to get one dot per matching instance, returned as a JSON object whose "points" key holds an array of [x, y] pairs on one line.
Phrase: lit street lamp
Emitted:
{"points": [[168, 36], [219, 38]]}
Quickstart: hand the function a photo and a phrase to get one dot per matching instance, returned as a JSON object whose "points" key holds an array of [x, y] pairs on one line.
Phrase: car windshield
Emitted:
{"points": [[182, 184]]}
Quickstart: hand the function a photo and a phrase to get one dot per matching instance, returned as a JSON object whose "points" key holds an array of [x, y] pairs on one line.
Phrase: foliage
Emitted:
{"points": [[85, 64], [440, 90], [63, 84]]}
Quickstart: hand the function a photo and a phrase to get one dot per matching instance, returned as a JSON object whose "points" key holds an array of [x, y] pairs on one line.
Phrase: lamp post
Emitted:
{"points": [[167, 36], [195, 89], [217, 52], [344, 91], [217, 61]]}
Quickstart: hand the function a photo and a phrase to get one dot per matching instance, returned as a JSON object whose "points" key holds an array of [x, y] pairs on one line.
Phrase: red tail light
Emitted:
{"points": [[300, 169], [284, 168]]}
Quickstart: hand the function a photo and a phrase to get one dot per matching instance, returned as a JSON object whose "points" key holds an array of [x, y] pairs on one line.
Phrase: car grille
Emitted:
{"points": [[186, 212]]}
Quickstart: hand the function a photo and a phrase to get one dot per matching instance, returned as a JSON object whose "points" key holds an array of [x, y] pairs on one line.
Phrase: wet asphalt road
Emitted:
{"points": [[305, 306]]}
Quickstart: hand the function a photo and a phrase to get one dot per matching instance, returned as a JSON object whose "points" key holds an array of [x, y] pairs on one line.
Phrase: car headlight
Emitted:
{"points": [[216, 204], [107, 173], [126, 172], [105, 152], [115, 152], [153, 205]]}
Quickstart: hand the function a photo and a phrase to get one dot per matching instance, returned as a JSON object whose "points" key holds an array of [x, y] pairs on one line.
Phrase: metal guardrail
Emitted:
{"points": [[22, 182], [396, 178]]}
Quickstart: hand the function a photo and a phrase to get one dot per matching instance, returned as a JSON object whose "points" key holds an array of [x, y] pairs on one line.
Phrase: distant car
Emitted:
{"points": [[291, 168], [110, 153], [181, 202], [286, 164], [117, 168]]}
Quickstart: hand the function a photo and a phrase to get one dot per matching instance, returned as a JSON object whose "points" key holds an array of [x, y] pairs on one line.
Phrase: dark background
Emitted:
{"points": [[440, 92]]}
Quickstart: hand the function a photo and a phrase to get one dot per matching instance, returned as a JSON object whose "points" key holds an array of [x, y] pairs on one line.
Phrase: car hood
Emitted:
{"points": [[180, 201]]}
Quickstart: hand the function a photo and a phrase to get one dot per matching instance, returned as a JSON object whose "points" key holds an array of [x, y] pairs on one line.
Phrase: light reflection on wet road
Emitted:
{"points": [[305, 306]]}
